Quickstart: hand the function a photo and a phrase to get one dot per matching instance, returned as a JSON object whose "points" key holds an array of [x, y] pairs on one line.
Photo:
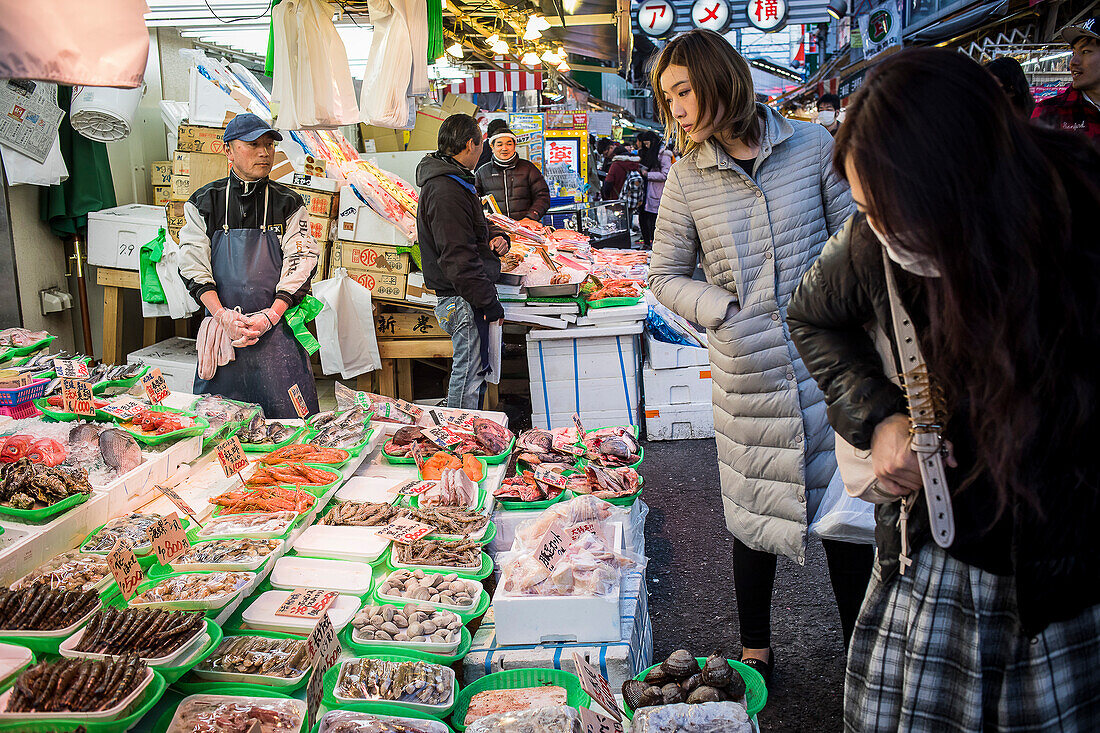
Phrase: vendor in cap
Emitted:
{"points": [[247, 255], [516, 184], [1077, 109]]}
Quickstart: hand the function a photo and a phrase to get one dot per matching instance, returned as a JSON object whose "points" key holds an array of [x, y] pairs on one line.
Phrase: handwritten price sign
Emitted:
{"points": [[298, 400], [562, 444], [462, 421], [409, 409], [176, 499], [169, 539], [323, 650], [404, 530], [70, 368], [593, 722], [577, 422], [550, 477], [307, 603], [596, 686], [232, 456], [441, 436], [124, 408], [76, 396], [155, 386], [124, 566], [414, 487], [552, 547]]}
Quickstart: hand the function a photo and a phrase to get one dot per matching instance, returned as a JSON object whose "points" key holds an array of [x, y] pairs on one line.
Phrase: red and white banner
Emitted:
{"points": [[514, 78]]}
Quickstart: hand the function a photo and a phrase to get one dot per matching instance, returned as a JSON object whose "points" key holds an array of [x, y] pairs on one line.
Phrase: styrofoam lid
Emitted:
{"points": [[261, 614], [359, 543], [375, 489], [344, 576]]}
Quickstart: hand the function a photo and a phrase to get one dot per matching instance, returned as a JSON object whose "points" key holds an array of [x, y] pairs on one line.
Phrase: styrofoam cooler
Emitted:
{"points": [[592, 371], [683, 386], [672, 356], [177, 359], [115, 236], [678, 422]]}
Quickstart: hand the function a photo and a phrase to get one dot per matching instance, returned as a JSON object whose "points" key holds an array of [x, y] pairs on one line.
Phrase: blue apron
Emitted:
{"points": [[247, 265]]}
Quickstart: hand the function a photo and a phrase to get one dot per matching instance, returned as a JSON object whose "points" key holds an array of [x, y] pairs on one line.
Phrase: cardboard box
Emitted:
{"points": [[360, 223], [318, 203], [425, 136], [196, 139], [321, 227], [408, 325], [373, 257], [319, 183], [380, 285], [455, 104], [161, 195], [161, 173], [176, 220], [417, 292], [385, 139], [115, 236], [192, 171]]}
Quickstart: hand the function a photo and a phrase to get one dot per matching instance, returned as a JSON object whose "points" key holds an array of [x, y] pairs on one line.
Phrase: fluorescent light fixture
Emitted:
{"points": [[455, 50], [1052, 57], [530, 59], [500, 47]]}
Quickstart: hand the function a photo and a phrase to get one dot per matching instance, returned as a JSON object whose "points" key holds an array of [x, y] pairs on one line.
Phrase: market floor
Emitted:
{"points": [[691, 597]]}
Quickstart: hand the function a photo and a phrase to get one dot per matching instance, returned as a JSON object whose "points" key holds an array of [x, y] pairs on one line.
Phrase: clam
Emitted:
{"points": [[680, 664], [704, 693], [672, 694], [692, 682], [651, 696], [717, 671], [633, 693], [658, 676]]}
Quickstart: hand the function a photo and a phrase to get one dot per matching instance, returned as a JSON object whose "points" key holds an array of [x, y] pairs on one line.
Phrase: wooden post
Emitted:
{"points": [[112, 325]]}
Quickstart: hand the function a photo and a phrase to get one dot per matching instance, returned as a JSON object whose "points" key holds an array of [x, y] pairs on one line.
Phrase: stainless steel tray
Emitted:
{"points": [[554, 291]]}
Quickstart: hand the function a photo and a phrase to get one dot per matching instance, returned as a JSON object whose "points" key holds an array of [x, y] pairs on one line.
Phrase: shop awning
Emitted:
{"points": [[957, 24]]}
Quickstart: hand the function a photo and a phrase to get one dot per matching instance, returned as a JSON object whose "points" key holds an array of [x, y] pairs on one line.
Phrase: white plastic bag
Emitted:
{"points": [[23, 169], [312, 85], [843, 517], [345, 327], [397, 63]]}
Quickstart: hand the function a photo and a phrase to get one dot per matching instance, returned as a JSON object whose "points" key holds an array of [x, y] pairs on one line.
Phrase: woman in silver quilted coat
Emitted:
{"points": [[753, 201]]}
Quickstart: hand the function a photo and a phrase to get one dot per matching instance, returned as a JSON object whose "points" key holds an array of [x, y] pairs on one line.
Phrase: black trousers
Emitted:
{"points": [[754, 575], [648, 222]]}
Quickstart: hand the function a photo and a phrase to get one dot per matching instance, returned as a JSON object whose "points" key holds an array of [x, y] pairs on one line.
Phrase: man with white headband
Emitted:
{"points": [[516, 184]]}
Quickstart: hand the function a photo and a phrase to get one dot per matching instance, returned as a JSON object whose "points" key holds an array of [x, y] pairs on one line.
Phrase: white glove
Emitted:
{"points": [[214, 347], [237, 326]]}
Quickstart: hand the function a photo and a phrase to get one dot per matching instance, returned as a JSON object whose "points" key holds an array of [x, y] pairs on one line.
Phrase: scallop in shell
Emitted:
{"points": [[634, 693]]}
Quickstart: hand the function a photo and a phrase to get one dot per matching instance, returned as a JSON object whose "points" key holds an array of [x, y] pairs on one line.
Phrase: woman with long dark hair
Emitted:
{"points": [[753, 200], [989, 224], [656, 160], [1010, 75]]}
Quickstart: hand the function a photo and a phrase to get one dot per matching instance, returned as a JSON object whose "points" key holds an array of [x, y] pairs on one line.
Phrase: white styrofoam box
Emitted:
{"points": [[360, 223], [320, 183], [679, 422], [615, 314], [618, 661], [49, 539], [542, 619], [16, 551], [672, 356], [591, 370], [115, 235], [683, 386], [176, 358], [631, 519]]}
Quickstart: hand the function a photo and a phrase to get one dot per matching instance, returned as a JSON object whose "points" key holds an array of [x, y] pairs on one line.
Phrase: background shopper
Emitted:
{"points": [[1010, 75], [828, 113], [1077, 109], [656, 160], [517, 185]]}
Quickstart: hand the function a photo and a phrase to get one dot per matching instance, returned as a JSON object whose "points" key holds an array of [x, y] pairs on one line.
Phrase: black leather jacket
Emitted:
{"points": [[1049, 553], [519, 188]]}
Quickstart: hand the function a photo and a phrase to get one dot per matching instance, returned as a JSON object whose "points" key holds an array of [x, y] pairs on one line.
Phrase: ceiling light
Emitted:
{"points": [[561, 51], [563, 67], [837, 8], [492, 40], [441, 61], [539, 22], [455, 50], [500, 47], [530, 59], [532, 34], [550, 57]]}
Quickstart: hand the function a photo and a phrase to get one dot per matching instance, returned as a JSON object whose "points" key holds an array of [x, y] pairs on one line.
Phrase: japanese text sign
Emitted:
{"points": [[124, 566], [593, 722], [323, 649], [299, 402], [232, 456], [596, 686], [404, 530], [552, 547], [76, 396], [176, 499], [74, 369], [124, 408], [307, 603], [414, 487], [155, 386], [169, 539]]}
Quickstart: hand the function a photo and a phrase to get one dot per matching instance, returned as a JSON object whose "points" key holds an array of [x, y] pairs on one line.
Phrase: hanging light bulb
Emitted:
{"points": [[538, 22], [442, 61], [492, 40], [561, 51], [550, 57], [533, 33], [500, 47], [455, 50], [530, 59], [563, 67]]}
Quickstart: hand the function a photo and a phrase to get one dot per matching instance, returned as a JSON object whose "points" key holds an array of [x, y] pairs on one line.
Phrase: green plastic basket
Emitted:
{"points": [[372, 650], [45, 513], [512, 505], [158, 571], [268, 447], [171, 674], [193, 533], [151, 697], [397, 460], [101, 387], [391, 710], [332, 674], [627, 500], [145, 559], [192, 684], [614, 302], [480, 573], [165, 718], [13, 352], [58, 415], [756, 693], [516, 678], [198, 428]]}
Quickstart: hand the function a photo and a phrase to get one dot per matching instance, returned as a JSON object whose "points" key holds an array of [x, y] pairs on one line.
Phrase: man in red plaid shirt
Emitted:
{"points": [[1078, 108]]}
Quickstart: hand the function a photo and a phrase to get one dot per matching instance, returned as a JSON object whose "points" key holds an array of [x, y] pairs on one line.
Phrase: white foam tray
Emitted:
{"points": [[360, 544], [196, 642], [199, 604], [373, 489], [343, 576], [254, 564], [109, 714], [401, 600], [439, 710], [261, 614]]}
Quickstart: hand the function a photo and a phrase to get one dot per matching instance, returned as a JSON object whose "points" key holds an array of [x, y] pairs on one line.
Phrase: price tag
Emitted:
{"points": [[169, 539], [562, 444], [298, 400], [552, 547], [155, 386], [232, 456], [76, 396], [414, 487], [409, 409], [307, 603], [577, 422], [550, 477], [256, 727], [404, 530], [575, 531], [323, 649], [176, 499], [596, 686], [441, 436], [124, 408], [124, 566], [72, 368], [593, 722], [462, 421]]}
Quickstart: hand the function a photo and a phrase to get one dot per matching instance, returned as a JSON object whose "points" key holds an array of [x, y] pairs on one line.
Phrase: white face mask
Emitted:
{"points": [[906, 260], [826, 117]]}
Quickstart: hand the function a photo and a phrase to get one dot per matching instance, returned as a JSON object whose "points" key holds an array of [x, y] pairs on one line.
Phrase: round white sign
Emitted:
{"points": [[656, 17], [767, 15], [712, 15]]}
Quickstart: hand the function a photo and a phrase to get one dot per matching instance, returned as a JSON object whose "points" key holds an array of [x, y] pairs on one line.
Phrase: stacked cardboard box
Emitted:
{"points": [[161, 178], [199, 159], [322, 207]]}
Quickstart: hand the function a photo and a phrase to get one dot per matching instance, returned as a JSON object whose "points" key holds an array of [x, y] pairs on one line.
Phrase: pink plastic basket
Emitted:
{"points": [[26, 393], [20, 412]]}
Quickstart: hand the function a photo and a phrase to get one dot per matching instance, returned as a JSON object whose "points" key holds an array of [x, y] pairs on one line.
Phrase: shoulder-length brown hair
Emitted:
{"points": [[721, 80]]}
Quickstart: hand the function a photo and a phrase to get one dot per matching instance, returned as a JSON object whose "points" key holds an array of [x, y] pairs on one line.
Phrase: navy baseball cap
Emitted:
{"points": [[248, 127], [1088, 28]]}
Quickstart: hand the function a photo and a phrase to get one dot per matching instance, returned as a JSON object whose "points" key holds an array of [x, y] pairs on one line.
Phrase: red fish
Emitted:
{"points": [[46, 451], [15, 448]]}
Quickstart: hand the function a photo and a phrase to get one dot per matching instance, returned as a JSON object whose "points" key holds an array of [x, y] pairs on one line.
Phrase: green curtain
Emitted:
{"points": [[435, 30], [89, 187]]}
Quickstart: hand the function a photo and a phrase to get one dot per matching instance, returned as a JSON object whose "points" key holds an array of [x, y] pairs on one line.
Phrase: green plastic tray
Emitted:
{"points": [[165, 718], [39, 515], [355, 450], [627, 500], [516, 678], [392, 710], [756, 693], [268, 447], [372, 650], [158, 571], [484, 472], [171, 674], [614, 302], [414, 501], [512, 505], [481, 573], [503, 456], [58, 415], [192, 684], [477, 611], [152, 696], [198, 428], [101, 387], [322, 489], [145, 559], [15, 351], [210, 613], [367, 706], [397, 460], [193, 533]]}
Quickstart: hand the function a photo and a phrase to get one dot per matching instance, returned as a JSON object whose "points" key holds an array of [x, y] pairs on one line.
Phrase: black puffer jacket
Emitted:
{"points": [[1050, 554], [454, 236], [519, 187]]}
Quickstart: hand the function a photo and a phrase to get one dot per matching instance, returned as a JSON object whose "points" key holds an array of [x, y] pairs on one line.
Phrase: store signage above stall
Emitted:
{"points": [[656, 17], [711, 15], [767, 15]]}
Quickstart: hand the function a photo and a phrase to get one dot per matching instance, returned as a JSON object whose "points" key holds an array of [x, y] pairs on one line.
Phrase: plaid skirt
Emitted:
{"points": [[940, 649]]}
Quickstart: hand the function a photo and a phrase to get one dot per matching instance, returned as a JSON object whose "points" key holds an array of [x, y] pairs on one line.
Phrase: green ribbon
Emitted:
{"points": [[297, 318]]}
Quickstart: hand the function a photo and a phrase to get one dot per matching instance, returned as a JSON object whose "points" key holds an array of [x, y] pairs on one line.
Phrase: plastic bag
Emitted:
{"points": [[148, 257], [397, 63], [346, 346], [707, 717], [843, 517], [537, 720], [26, 170], [664, 325], [312, 85], [346, 721]]}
